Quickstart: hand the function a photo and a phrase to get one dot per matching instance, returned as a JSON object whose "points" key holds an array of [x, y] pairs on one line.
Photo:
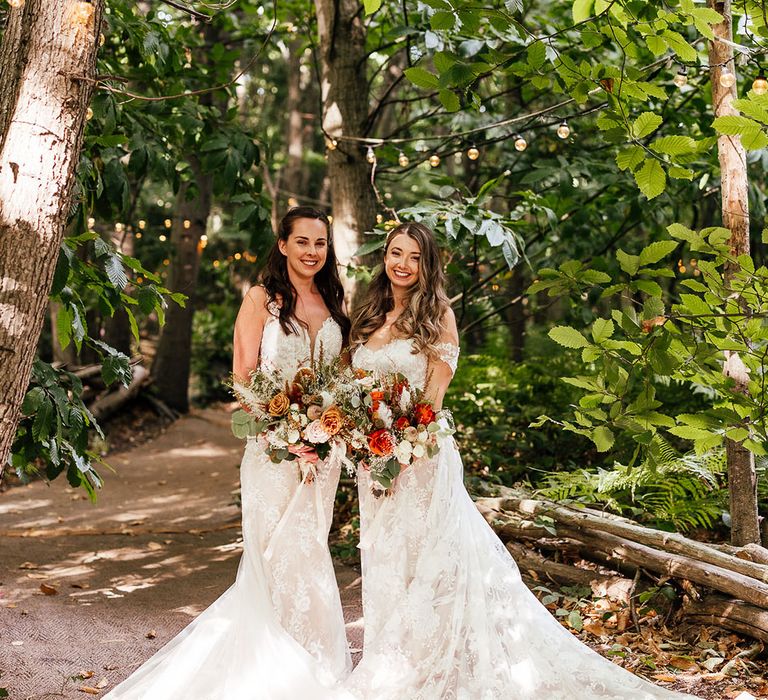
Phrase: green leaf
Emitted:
{"points": [[646, 124], [603, 438], [689, 432], [656, 251], [443, 20], [651, 179], [679, 173], [450, 100], [44, 421], [649, 287], [695, 305], [734, 125], [582, 10], [674, 145], [630, 158], [32, 400], [371, 246], [568, 337], [629, 263], [754, 140], [421, 78], [680, 46], [537, 55], [243, 424], [371, 6], [602, 329], [64, 326]]}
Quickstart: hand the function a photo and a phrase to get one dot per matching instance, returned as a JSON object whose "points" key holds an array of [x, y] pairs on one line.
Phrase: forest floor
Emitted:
{"points": [[89, 591]]}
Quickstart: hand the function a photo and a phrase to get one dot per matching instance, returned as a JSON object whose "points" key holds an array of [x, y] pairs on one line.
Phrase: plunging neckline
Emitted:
{"points": [[312, 340], [386, 345]]}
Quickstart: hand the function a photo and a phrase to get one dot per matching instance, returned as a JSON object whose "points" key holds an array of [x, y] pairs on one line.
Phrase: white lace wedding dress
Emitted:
{"points": [[278, 632], [447, 616]]}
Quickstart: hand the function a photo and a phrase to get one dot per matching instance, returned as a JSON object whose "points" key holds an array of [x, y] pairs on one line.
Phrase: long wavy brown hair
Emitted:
{"points": [[426, 302], [278, 285]]}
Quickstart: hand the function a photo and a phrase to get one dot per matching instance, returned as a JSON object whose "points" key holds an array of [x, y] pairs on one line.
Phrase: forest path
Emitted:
{"points": [[88, 592]]}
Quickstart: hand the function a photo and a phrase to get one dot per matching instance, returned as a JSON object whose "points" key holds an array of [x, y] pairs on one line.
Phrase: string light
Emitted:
{"points": [[564, 131], [102, 39], [187, 223], [473, 153], [238, 256], [166, 262], [16, 3], [119, 228], [403, 160], [681, 79], [162, 238], [520, 143], [727, 78], [204, 238], [142, 224], [331, 144], [434, 160], [216, 263], [91, 222], [168, 223], [89, 114], [760, 84], [370, 156], [138, 235]]}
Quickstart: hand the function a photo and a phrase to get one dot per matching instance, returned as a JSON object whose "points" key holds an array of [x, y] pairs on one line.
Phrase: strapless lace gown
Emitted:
{"points": [[447, 616], [278, 632]]}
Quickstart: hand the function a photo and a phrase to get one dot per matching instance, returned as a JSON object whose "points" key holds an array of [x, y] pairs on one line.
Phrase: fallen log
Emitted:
{"points": [[735, 615], [593, 520], [107, 405]]}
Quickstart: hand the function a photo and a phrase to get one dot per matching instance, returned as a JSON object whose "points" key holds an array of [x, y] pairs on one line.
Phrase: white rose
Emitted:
{"points": [[403, 451], [419, 450], [314, 433], [274, 440], [411, 434], [366, 382], [327, 399], [293, 436]]}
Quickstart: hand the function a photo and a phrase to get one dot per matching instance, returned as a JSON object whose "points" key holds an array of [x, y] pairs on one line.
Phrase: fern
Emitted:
{"points": [[667, 489]]}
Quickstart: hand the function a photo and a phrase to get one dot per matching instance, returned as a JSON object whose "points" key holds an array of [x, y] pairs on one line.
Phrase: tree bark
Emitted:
{"points": [[734, 186], [344, 92], [46, 47], [170, 369]]}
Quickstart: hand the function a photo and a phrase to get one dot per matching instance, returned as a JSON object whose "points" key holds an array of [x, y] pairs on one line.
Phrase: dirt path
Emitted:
{"points": [[125, 575]]}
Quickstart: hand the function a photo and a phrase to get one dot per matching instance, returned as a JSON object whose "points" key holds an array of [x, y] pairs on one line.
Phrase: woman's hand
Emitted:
{"points": [[305, 453]]}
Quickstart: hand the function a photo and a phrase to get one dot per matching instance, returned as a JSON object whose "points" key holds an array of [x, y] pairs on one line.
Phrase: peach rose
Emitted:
{"points": [[314, 412], [332, 420], [279, 405]]}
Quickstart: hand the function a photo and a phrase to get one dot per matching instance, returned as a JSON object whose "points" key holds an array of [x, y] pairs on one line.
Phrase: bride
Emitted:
{"points": [[278, 632], [446, 613]]}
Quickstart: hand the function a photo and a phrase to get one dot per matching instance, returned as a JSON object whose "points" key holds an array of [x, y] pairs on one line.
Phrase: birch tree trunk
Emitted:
{"points": [[47, 46], [742, 477], [344, 91]]}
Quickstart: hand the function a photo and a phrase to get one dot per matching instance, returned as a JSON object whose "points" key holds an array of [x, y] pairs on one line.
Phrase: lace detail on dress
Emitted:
{"points": [[449, 353], [395, 356], [447, 616]]}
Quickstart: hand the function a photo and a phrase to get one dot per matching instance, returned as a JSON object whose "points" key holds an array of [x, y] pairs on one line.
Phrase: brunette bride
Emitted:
{"points": [[278, 632]]}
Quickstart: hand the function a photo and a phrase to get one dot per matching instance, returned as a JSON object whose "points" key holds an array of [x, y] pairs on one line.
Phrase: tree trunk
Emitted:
{"points": [[42, 118], [170, 369], [742, 477], [516, 318], [345, 112]]}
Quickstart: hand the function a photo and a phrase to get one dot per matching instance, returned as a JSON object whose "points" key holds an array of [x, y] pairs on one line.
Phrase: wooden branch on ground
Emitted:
{"points": [[107, 405], [735, 615]]}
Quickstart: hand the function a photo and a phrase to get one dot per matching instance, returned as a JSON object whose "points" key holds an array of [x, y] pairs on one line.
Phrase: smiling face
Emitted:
{"points": [[306, 248], [401, 261]]}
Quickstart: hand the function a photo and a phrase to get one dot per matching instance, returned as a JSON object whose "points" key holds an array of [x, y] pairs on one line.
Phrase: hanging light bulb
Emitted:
{"points": [[434, 160], [520, 143], [331, 144], [370, 156], [760, 84], [473, 153], [403, 160], [681, 79], [564, 131], [727, 78], [89, 114], [16, 3]]}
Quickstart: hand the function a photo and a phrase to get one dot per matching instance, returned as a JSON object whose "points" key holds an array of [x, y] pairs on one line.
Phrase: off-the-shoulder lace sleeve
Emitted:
{"points": [[448, 353]]}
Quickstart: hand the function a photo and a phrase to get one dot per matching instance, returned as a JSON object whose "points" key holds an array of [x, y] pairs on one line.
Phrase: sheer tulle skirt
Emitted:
{"points": [[278, 632], [447, 616]]}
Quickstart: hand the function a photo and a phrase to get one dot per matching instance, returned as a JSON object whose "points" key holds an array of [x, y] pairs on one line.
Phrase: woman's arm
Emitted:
{"points": [[249, 328], [439, 372]]}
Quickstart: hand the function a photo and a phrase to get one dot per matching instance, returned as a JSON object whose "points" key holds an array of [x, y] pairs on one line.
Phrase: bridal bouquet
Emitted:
{"points": [[402, 428], [299, 419]]}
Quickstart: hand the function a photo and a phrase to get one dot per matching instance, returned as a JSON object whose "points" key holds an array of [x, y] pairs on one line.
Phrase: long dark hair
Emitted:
{"points": [[426, 302], [278, 285]]}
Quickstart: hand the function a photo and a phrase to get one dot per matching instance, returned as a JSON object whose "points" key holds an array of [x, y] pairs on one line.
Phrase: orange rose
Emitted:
{"points": [[279, 405], [380, 442], [402, 423], [423, 413], [332, 420]]}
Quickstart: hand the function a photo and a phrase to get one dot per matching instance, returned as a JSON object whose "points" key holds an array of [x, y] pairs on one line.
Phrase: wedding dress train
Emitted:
{"points": [[278, 632], [447, 615]]}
